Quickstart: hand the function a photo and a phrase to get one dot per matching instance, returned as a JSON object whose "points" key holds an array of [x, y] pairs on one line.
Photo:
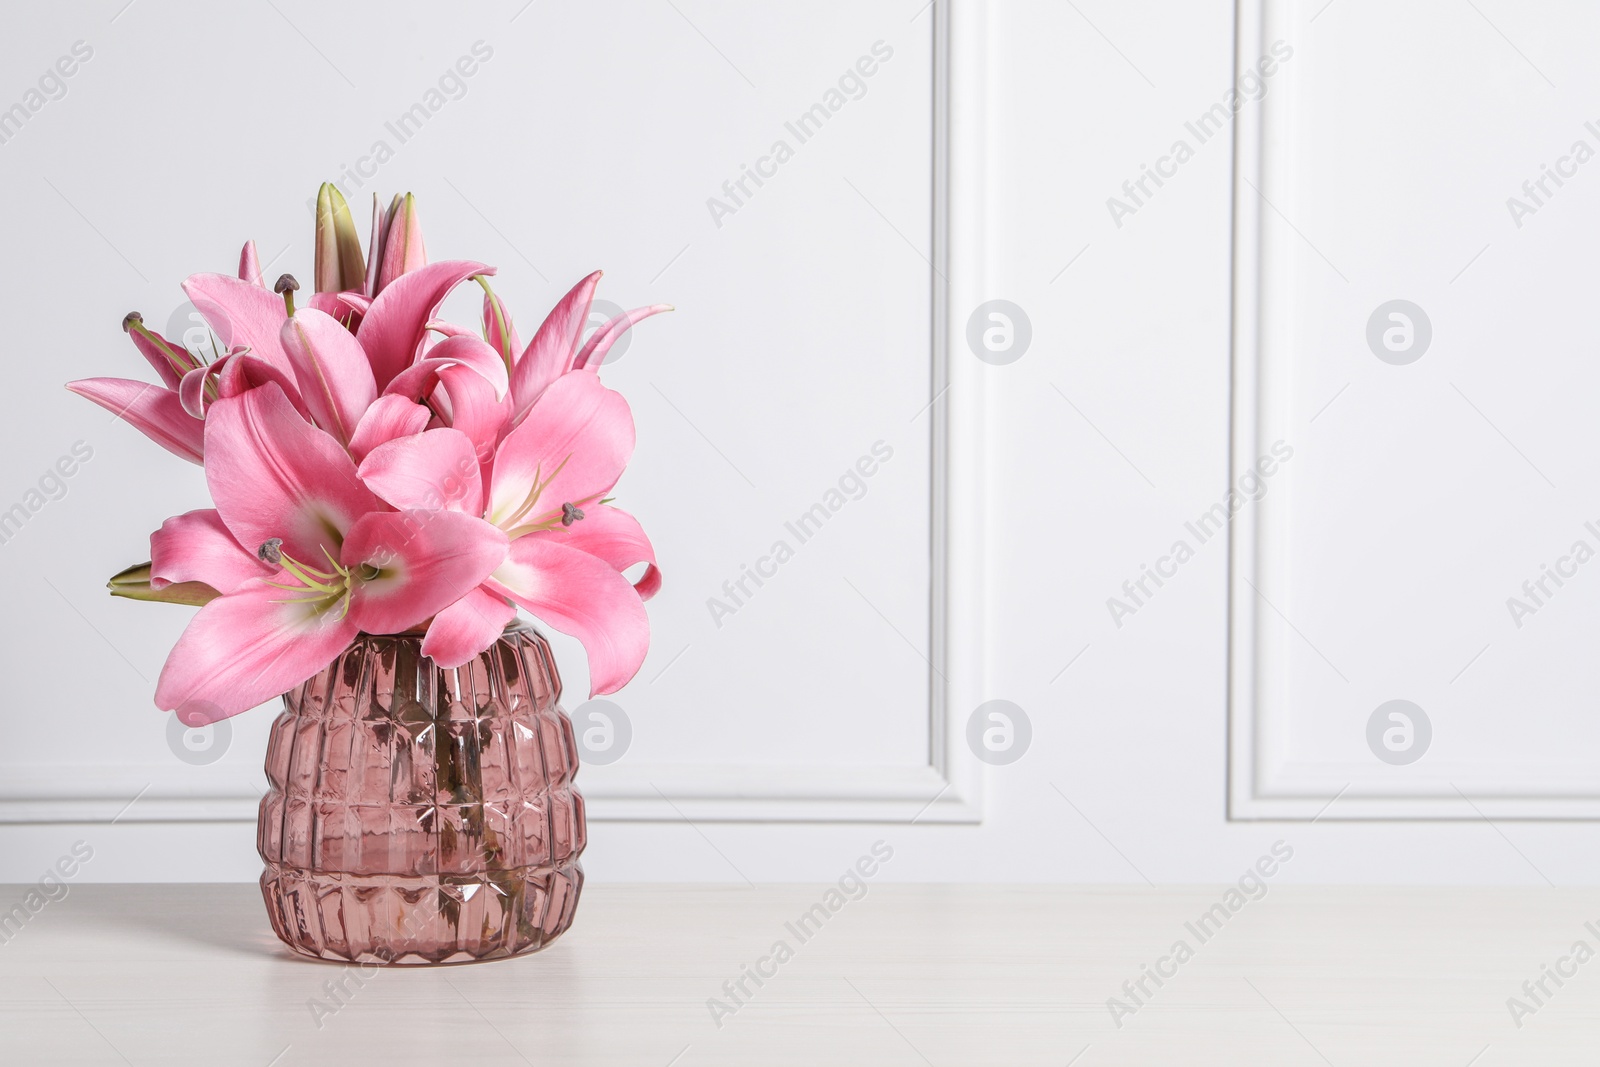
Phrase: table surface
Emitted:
{"points": [[906, 974]]}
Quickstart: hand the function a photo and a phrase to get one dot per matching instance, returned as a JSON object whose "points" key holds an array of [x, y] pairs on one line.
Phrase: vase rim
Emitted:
{"points": [[512, 627]]}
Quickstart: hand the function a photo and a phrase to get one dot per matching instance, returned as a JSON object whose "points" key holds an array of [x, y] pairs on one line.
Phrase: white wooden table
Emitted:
{"points": [[940, 975]]}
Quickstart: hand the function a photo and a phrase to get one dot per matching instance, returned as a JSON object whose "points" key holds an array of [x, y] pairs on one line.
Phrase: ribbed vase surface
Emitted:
{"points": [[419, 815]]}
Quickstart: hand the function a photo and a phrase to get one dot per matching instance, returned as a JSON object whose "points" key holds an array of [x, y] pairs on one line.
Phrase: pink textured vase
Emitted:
{"points": [[421, 815]]}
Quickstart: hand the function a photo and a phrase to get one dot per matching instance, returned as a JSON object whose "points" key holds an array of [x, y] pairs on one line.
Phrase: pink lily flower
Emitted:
{"points": [[568, 549], [388, 417], [393, 571], [155, 411], [555, 351], [375, 469], [172, 415], [328, 369], [341, 563], [332, 370], [395, 326], [322, 371]]}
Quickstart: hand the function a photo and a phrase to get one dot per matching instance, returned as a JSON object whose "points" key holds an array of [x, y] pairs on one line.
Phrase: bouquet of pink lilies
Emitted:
{"points": [[377, 470]]}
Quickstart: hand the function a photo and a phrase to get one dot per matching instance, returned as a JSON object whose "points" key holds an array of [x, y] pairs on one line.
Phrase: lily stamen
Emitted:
{"points": [[312, 580], [539, 486], [286, 286], [133, 322], [551, 520]]}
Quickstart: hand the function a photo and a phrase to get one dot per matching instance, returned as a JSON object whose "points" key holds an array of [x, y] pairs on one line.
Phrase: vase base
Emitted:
{"points": [[422, 919]]}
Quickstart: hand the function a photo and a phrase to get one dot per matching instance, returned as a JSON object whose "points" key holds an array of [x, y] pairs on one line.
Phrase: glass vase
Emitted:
{"points": [[418, 815]]}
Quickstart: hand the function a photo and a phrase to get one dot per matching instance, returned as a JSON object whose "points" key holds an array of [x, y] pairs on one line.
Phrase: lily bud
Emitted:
{"points": [[402, 242], [134, 584], [380, 227], [339, 265]]}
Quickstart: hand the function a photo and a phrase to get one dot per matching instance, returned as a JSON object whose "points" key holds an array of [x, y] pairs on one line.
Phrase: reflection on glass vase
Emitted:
{"points": [[418, 815]]}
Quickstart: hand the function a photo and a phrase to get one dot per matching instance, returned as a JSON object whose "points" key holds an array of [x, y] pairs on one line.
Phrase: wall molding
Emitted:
{"points": [[638, 793], [1264, 782], [948, 789]]}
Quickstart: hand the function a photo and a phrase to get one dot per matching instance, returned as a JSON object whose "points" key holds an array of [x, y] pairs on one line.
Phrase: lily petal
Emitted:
{"points": [[197, 547], [549, 355], [434, 469], [448, 329], [272, 474], [250, 265], [231, 375], [475, 410], [467, 627], [171, 361], [583, 596], [380, 226], [614, 536], [153, 411], [576, 442], [499, 330], [392, 330], [354, 298], [240, 313], [192, 391], [594, 350], [418, 380], [424, 562], [389, 417], [241, 371], [347, 307], [246, 648], [332, 370]]}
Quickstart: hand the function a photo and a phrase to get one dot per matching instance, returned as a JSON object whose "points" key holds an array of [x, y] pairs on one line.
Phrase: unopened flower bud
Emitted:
{"points": [[338, 264]]}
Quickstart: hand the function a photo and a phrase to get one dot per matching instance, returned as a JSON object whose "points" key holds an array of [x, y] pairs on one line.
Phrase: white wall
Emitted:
{"points": [[804, 327]]}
